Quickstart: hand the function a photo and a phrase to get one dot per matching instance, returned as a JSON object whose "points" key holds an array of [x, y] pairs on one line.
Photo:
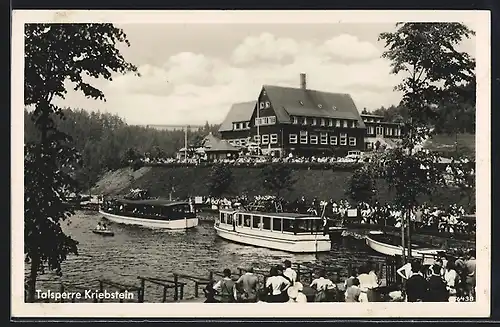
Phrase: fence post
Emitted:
{"points": [[141, 292], [101, 289], [61, 289], [196, 289], [182, 292], [298, 272], [211, 276], [176, 285], [164, 294]]}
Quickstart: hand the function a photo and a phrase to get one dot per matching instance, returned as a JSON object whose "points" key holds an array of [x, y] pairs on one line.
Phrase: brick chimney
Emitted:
{"points": [[303, 84]]}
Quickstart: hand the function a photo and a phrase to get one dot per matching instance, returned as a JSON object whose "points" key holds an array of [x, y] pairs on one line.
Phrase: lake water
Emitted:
{"points": [[136, 251]]}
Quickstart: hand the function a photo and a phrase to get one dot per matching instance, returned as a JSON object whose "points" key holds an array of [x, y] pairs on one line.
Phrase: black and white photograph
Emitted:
{"points": [[197, 163]]}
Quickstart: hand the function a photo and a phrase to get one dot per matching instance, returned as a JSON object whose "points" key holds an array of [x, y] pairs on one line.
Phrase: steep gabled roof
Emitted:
{"points": [[239, 112], [211, 143], [288, 101]]}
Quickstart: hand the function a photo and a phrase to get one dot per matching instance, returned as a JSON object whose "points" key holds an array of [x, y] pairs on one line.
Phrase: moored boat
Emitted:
{"points": [[151, 213], [103, 232], [290, 232], [387, 244]]}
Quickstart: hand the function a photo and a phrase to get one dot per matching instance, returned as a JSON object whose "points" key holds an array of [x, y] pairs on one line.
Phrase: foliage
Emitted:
{"points": [[220, 180], [103, 140], [276, 178], [361, 186], [434, 71], [56, 54]]}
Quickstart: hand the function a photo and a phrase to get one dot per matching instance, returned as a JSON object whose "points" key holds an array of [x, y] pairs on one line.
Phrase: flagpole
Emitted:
{"points": [[185, 143]]}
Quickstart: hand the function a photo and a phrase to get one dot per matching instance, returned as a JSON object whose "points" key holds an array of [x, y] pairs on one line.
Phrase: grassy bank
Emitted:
{"points": [[192, 181]]}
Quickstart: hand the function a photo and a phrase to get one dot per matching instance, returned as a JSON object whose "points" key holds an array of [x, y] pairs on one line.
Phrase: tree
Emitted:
{"points": [[433, 72], [362, 185], [276, 178], [220, 180], [56, 54]]}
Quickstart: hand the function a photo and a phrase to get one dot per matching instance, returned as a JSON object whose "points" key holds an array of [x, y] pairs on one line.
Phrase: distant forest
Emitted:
{"points": [[106, 142]]}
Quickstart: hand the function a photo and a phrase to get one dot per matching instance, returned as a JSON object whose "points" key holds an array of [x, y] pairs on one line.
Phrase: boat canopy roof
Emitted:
{"points": [[289, 215], [153, 202]]}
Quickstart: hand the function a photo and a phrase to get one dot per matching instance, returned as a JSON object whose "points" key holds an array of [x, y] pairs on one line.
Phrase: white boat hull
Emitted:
{"points": [[300, 243], [394, 250], [152, 223]]}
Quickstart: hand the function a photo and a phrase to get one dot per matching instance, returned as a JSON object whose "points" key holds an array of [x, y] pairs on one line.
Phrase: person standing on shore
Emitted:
{"points": [[225, 288], [247, 286], [416, 286], [451, 280], [289, 272], [437, 287], [276, 286], [470, 277], [323, 287]]}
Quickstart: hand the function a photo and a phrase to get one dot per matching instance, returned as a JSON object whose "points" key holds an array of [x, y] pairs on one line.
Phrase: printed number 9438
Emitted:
{"points": [[465, 299]]}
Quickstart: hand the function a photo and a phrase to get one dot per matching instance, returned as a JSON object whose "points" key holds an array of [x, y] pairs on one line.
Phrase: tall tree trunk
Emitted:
{"points": [[408, 237], [35, 264]]}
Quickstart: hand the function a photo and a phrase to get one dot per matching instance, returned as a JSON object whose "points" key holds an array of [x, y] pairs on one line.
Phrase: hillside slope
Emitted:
{"points": [[192, 181]]}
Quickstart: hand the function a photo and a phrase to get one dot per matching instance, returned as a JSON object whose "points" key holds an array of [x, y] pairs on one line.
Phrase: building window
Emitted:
{"points": [[303, 137], [268, 104], [265, 138], [241, 125], [304, 122], [388, 131], [369, 146], [274, 138], [322, 122], [243, 142], [261, 105], [314, 122], [292, 138], [314, 139], [271, 120], [337, 123], [345, 124], [235, 126], [247, 124], [231, 142], [323, 138], [295, 120], [371, 130], [380, 130], [237, 142], [353, 124], [397, 132], [333, 140], [256, 138], [330, 122], [352, 141], [343, 139]]}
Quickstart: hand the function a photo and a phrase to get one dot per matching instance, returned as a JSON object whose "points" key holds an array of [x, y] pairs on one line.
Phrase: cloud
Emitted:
{"points": [[193, 88]]}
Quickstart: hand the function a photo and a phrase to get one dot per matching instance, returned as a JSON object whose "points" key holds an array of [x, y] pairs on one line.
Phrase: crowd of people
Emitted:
{"points": [[449, 219], [447, 280], [282, 285]]}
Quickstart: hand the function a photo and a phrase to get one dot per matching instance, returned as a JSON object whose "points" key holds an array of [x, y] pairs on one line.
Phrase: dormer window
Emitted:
{"points": [[334, 108], [314, 122], [337, 123], [247, 124], [322, 122], [353, 125], [268, 104], [304, 122], [295, 120], [330, 122], [235, 126], [261, 105], [320, 105], [345, 124], [301, 102]]}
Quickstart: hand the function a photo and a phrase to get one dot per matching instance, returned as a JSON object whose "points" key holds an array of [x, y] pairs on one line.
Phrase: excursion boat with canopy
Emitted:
{"points": [[290, 232], [150, 213]]}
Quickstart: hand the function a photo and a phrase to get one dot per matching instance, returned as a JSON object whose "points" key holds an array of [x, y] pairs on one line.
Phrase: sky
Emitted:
{"points": [[192, 73]]}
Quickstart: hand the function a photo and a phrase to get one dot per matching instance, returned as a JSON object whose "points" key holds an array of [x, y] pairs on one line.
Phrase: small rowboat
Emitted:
{"points": [[103, 232], [387, 244]]}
